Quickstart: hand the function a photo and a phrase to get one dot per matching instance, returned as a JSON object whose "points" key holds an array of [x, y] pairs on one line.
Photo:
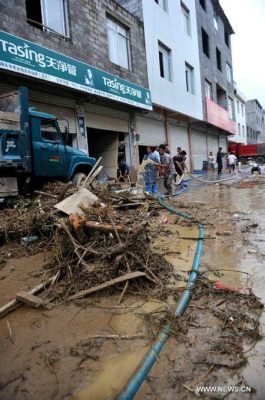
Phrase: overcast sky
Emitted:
{"points": [[247, 18]]}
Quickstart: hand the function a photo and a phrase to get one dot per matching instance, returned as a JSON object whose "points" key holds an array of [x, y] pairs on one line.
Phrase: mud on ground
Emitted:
{"points": [[90, 348]]}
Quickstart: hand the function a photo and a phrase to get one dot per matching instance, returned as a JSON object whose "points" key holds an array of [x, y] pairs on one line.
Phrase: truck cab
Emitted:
{"points": [[33, 147]]}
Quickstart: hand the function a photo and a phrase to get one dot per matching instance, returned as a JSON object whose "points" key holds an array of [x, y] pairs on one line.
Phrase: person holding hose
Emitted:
{"points": [[150, 169], [179, 162], [168, 168]]}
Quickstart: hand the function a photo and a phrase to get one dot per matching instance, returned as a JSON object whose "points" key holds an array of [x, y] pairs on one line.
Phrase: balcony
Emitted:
{"points": [[219, 117]]}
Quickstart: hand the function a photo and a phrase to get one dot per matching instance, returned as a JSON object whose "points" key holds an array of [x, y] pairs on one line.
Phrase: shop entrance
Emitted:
{"points": [[142, 152], [110, 146]]}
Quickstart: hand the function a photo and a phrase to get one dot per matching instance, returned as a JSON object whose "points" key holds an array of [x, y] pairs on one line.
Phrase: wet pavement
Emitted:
{"points": [[241, 258]]}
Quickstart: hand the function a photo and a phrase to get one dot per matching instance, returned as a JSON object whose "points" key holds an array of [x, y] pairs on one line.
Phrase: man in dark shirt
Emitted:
{"points": [[219, 160], [179, 162]]}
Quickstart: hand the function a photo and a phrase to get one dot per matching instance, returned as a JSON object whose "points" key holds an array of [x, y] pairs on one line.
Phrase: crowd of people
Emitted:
{"points": [[162, 163], [231, 161], [158, 162]]}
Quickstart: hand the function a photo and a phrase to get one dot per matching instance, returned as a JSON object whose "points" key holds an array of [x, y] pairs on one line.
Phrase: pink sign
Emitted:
{"points": [[218, 116]]}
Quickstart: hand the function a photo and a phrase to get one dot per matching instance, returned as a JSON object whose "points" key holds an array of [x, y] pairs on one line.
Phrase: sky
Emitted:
{"points": [[247, 18]]}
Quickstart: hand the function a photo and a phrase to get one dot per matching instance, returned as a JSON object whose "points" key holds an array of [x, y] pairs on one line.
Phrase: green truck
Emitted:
{"points": [[32, 147]]}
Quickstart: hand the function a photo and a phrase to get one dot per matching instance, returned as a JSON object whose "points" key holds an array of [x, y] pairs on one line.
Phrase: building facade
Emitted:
{"points": [[214, 32], [240, 116], [255, 121], [173, 73], [81, 62]]}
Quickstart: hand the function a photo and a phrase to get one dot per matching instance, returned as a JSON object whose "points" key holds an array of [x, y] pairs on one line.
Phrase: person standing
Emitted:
{"points": [[231, 161], [168, 168], [150, 169], [219, 160], [211, 159]]}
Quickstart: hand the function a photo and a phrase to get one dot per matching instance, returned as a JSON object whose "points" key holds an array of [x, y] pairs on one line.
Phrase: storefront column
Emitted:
{"points": [[82, 142]]}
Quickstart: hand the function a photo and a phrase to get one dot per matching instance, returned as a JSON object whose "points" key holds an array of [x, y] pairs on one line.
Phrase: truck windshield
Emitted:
{"points": [[10, 111]]}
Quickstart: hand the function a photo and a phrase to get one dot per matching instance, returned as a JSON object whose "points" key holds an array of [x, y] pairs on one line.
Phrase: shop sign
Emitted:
{"points": [[27, 58], [219, 117]]}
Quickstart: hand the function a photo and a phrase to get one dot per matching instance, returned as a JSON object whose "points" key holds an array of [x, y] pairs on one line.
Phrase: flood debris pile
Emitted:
{"points": [[104, 247], [31, 215]]}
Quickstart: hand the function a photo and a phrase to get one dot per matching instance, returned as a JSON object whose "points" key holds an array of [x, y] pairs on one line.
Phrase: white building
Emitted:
{"points": [[173, 72], [240, 114], [172, 55]]}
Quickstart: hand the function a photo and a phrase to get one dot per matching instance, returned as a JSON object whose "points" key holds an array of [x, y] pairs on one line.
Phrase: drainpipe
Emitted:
{"points": [[168, 132], [190, 145], [207, 143]]}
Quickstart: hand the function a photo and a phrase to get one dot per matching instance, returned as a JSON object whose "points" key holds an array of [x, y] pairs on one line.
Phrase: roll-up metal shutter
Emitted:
{"points": [[213, 143], [62, 107], [151, 131], [223, 142], [180, 138], [99, 117], [199, 149], [6, 88]]}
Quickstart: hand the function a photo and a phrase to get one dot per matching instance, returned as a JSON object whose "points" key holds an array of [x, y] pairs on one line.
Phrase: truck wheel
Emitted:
{"points": [[260, 160], [78, 179]]}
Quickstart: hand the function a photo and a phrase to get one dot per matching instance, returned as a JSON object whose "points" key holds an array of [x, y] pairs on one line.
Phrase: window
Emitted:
{"points": [[229, 73], [242, 110], [205, 43], [163, 4], [208, 90], [221, 97], [230, 107], [165, 62], [186, 19], [238, 129], [215, 21], [49, 15], [119, 44], [49, 131], [243, 131], [203, 4], [189, 74], [227, 38], [218, 59], [237, 106]]}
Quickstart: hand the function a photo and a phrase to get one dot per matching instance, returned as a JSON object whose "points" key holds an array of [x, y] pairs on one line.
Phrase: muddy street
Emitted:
{"points": [[88, 347]]}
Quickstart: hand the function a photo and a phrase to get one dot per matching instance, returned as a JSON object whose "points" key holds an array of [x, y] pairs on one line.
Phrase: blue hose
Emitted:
{"points": [[151, 357]]}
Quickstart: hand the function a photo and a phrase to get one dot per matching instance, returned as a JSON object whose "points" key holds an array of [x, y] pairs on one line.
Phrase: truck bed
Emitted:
{"points": [[9, 120]]}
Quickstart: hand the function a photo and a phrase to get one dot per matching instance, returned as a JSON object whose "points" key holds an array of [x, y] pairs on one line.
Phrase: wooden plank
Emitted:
{"points": [[112, 282], [94, 175], [31, 300], [9, 116], [92, 170], [13, 304]]}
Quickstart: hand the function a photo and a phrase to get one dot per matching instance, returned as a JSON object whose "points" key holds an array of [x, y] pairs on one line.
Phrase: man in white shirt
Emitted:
{"points": [[231, 158], [211, 158]]}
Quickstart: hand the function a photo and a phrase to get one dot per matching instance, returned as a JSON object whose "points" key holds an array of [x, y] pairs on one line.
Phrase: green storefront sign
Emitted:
{"points": [[27, 58]]}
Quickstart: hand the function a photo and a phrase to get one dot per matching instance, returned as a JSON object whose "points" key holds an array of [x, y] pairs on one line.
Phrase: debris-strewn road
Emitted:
{"points": [[119, 272]]}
